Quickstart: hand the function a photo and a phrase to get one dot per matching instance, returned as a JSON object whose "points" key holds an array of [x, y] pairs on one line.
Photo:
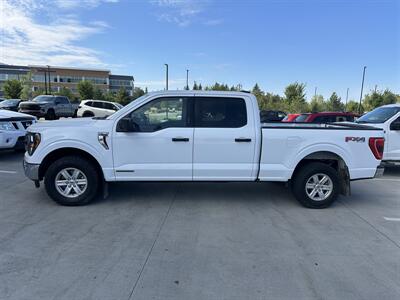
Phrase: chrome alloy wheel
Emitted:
{"points": [[319, 187], [71, 182]]}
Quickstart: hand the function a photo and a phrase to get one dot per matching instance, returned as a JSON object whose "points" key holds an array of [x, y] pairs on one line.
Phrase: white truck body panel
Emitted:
{"points": [[210, 154], [392, 137]]}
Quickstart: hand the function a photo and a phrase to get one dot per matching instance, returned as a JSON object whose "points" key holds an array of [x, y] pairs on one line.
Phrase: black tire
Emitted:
{"points": [[86, 167], [305, 174], [75, 114], [87, 114], [51, 115]]}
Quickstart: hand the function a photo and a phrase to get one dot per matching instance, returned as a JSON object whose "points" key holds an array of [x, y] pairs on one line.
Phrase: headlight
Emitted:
{"points": [[32, 142], [6, 126]]}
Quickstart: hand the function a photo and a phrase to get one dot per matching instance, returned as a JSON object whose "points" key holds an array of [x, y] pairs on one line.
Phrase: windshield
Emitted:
{"points": [[124, 108], [10, 102], [119, 105], [379, 115], [43, 99], [301, 118]]}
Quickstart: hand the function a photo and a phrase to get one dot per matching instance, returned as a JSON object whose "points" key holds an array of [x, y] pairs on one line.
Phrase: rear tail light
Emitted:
{"points": [[377, 145]]}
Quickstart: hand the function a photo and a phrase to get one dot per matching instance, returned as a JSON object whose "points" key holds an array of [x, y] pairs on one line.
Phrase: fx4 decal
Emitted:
{"points": [[355, 139]]}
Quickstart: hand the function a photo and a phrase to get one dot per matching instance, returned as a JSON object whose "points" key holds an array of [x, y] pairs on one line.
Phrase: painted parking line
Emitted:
{"points": [[392, 219], [8, 172], [387, 179]]}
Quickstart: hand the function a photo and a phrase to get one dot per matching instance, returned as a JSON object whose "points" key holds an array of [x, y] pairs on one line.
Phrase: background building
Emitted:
{"points": [[55, 78]]}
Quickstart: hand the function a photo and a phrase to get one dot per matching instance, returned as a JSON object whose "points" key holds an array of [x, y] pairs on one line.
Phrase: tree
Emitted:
{"points": [[12, 89], [137, 92], [317, 104], [295, 98], [64, 91], [352, 106], [378, 98], [85, 90], [195, 86], [27, 85], [98, 94], [200, 87], [334, 103], [122, 97]]}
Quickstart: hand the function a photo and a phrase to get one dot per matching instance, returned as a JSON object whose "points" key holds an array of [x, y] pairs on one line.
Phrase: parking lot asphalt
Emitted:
{"points": [[198, 241]]}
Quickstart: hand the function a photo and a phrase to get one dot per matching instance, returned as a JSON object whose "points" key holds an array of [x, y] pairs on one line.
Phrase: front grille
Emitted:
{"points": [[15, 124], [26, 124], [30, 106]]}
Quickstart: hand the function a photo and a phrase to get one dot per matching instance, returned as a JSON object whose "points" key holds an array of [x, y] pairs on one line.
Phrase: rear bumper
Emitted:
{"points": [[31, 171]]}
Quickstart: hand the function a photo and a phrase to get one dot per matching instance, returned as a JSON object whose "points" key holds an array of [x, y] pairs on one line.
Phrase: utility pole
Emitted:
{"points": [[347, 98], [166, 77], [48, 71], [187, 79], [362, 88], [315, 92], [376, 86]]}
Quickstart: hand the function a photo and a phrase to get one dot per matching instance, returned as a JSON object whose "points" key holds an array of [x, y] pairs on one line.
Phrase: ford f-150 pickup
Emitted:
{"points": [[199, 136]]}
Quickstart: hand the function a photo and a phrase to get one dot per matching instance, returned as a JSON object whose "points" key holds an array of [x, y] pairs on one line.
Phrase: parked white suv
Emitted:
{"points": [[13, 127], [199, 136], [97, 108], [386, 117]]}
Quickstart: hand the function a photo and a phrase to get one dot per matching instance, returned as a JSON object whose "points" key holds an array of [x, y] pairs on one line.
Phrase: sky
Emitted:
{"points": [[322, 43]]}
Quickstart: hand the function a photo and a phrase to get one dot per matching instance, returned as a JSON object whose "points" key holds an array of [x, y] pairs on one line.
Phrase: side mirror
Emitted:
{"points": [[395, 126], [127, 125]]}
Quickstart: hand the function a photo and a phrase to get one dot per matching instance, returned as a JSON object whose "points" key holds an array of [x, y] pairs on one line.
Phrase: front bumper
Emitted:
{"points": [[31, 170], [379, 171], [36, 113], [12, 139]]}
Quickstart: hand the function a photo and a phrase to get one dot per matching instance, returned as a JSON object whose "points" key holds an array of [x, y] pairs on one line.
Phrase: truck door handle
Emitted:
{"points": [[242, 140], [180, 139]]}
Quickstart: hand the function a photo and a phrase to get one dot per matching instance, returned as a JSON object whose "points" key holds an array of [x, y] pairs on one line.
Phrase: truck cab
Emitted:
{"points": [[386, 117]]}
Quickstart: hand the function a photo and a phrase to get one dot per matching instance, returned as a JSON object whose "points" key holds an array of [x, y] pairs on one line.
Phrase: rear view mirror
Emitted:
{"points": [[127, 125], [395, 125]]}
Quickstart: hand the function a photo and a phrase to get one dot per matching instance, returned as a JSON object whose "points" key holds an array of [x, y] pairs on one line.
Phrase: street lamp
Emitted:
{"points": [[187, 79], [362, 88], [166, 77]]}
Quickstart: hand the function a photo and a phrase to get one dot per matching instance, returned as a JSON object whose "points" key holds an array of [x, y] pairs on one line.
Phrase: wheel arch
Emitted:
{"points": [[333, 160], [67, 151]]}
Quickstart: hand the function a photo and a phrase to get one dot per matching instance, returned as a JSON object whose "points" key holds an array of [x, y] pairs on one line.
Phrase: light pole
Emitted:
{"points": [[362, 88], [347, 98], [166, 77], [48, 71], [187, 79], [315, 92]]}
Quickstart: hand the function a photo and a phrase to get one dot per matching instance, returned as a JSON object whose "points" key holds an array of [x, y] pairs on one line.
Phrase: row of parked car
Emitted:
{"points": [[320, 117], [17, 115], [53, 107]]}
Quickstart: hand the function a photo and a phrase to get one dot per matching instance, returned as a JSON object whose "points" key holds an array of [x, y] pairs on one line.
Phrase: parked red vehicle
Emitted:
{"points": [[290, 117], [325, 117]]}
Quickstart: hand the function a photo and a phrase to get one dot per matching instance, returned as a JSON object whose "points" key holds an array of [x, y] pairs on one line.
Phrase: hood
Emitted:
{"points": [[6, 114], [33, 102], [78, 123]]}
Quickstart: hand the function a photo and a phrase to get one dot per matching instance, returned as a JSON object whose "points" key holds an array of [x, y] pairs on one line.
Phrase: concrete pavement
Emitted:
{"points": [[198, 241]]}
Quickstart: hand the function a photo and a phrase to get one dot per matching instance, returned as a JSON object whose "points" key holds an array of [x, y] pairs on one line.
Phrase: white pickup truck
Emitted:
{"points": [[199, 136], [386, 117]]}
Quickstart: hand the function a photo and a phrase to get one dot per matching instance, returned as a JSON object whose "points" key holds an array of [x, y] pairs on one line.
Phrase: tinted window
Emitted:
{"points": [[301, 118], [62, 100], [108, 106], [160, 114], [97, 104], [220, 112], [43, 99], [322, 119], [89, 103]]}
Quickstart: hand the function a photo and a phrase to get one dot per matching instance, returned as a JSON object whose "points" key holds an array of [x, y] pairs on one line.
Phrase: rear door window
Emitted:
{"points": [[219, 112]]}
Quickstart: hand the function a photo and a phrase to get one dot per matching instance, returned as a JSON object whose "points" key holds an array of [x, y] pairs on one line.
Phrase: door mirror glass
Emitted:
{"points": [[127, 125]]}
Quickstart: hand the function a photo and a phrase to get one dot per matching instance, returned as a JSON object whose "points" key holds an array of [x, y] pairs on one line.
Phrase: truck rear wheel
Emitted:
{"points": [[51, 115], [316, 185], [72, 181]]}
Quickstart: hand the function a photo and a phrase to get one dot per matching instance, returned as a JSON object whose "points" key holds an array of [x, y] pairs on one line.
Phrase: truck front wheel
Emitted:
{"points": [[71, 181], [316, 185]]}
